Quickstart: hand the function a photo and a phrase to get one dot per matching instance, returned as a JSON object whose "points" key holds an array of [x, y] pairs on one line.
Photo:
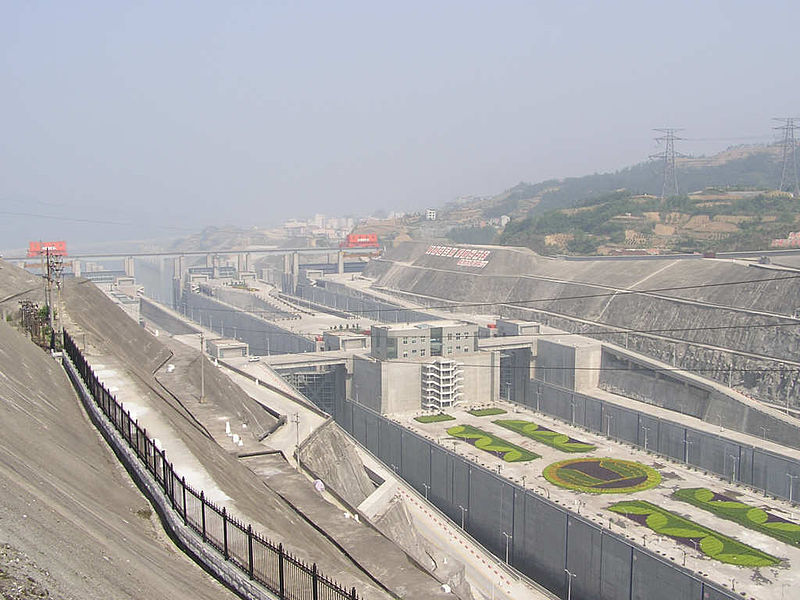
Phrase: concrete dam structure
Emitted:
{"points": [[729, 320]]}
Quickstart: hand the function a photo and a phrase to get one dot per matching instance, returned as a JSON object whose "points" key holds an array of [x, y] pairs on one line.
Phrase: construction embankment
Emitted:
{"points": [[164, 378], [728, 320], [72, 524]]}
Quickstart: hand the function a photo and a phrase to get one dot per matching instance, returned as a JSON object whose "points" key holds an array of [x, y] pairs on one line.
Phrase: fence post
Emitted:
{"points": [[225, 532], [164, 469], [183, 486], [250, 548], [281, 579], [203, 512], [314, 582], [172, 484]]}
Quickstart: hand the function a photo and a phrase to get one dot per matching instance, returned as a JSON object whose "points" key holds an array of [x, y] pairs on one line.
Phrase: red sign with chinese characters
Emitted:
{"points": [[36, 249]]}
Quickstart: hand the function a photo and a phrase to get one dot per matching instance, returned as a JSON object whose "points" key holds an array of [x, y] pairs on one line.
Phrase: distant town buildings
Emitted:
{"points": [[319, 226]]}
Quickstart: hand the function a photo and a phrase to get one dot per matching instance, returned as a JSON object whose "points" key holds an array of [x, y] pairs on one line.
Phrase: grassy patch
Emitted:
{"points": [[746, 515], [486, 412], [489, 443], [715, 545], [435, 418], [554, 439], [602, 475]]}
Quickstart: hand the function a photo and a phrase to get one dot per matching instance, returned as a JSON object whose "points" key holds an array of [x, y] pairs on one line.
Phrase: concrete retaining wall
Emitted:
{"points": [[546, 539], [709, 451], [247, 328]]}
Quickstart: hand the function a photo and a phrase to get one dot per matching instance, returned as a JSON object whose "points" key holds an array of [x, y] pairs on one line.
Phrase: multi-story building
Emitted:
{"points": [[423, 340], [425, 365]]}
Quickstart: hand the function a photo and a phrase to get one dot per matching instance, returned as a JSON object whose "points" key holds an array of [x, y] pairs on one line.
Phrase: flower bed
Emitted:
{"points": [[486, 441], [554, 439], [746, 515], [435, 418], [714, 545], [486, 412], [602, 475]]}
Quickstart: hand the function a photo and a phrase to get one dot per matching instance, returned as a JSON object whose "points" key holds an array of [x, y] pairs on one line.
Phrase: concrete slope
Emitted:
{"points": [[70, 517], [127, 354]]}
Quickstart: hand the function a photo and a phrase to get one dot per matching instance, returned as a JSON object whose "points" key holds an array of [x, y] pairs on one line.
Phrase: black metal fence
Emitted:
{"points": [[260, 559]]}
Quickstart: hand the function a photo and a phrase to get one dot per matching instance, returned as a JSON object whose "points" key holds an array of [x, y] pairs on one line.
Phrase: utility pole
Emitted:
{"points": [[789, 179], [668, 156], [202, 374]]}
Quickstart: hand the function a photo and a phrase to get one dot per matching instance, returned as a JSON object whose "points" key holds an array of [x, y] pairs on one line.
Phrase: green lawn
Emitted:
{"points": [[489, 443], [434, 418], [746, 515], [714, 545], [486, 412], [554, 439]]}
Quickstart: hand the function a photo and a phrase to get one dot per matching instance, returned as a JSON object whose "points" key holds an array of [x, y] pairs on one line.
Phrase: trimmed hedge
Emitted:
{"points": [[554, 439], [713, 544], [435, 418], [746, 515], [486, 412], [486, 441]]}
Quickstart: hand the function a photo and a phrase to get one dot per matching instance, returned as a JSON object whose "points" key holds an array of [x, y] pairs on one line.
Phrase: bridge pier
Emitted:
{"points": [[129, 268]]}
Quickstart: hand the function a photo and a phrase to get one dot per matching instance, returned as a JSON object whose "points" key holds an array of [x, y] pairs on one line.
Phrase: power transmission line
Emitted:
{"points": [[668, 156], [789, 149]]}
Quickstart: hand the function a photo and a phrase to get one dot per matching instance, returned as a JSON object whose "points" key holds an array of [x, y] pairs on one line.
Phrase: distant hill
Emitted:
{"points": [[754, 167], [725, 204]]}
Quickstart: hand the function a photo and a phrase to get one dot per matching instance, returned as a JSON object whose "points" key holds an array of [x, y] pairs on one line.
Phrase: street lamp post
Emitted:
{"points": [[791, 479], [463, 512], [734, 460], [508, 539], [570, 576], [686, 444]]}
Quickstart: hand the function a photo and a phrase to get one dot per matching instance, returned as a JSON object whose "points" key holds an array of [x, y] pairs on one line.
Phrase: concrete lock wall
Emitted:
{"points": [[545, 538], [245, 327], [340, 297], [706, 450]]}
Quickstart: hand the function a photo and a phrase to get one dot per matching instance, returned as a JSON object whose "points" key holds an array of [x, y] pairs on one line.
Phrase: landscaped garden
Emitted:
{"points": [[438, 418], [486, 412], [602, 475], [715, 545], [746, 515], [559, 441], [486, 441]]}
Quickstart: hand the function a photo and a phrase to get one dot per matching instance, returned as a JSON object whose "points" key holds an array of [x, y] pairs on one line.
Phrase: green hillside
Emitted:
{"points": [[727, 204]]}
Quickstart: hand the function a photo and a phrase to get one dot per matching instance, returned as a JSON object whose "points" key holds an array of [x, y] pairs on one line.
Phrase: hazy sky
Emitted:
{"points": [[186, 114]]}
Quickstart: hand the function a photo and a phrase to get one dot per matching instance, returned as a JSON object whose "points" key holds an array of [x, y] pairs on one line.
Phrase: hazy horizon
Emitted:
{"points": [[155, 120]]}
